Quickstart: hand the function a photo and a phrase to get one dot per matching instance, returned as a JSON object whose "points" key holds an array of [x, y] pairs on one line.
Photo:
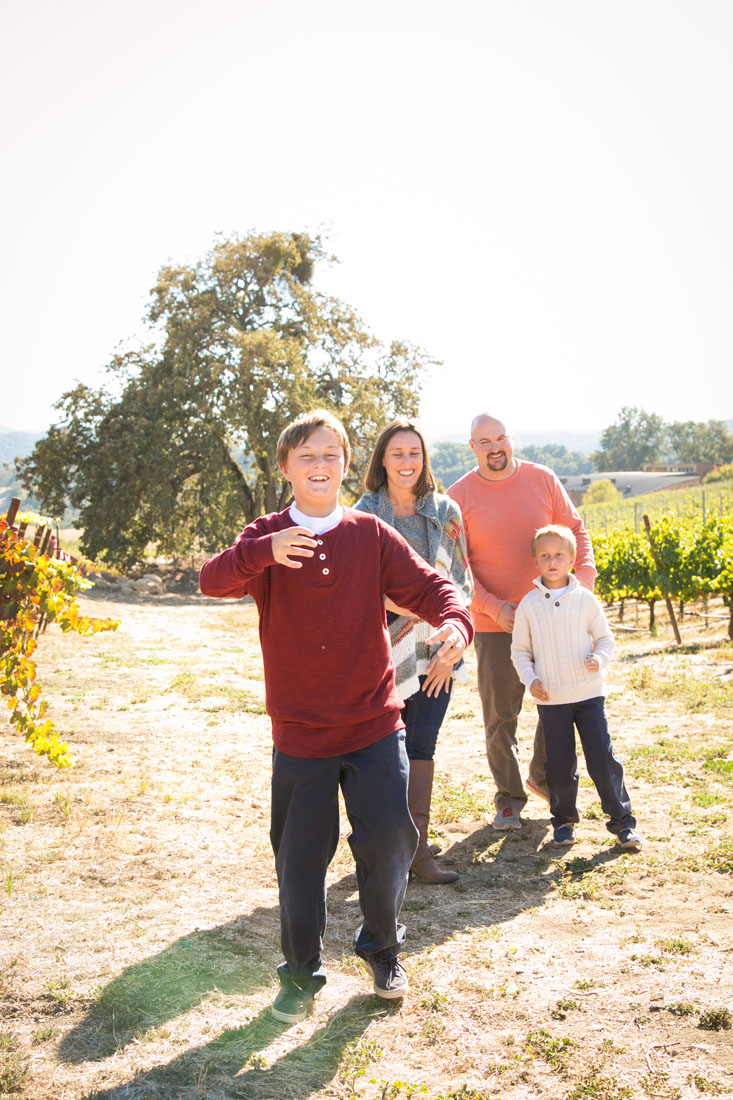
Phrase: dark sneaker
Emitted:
{"points": [[563, 834], [629, 838], [390, 979], [292, 1004], [506, 819]]}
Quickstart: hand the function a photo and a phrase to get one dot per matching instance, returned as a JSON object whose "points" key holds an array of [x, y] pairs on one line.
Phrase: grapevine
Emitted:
{"points": [[694, 561], [35, 589]]}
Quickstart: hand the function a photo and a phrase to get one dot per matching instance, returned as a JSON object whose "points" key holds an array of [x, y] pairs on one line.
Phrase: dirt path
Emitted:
{"points": [[138, 913]]}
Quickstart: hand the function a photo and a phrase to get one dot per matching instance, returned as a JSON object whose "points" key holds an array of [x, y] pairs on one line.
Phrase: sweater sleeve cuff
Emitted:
{"points": [[252, 555], [467, 635]]}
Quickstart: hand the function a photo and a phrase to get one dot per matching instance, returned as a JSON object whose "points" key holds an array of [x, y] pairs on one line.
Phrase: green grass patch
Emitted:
{"points": [[455, 803], [554, 1051], [707, 798], [213, 698], [596, 1086], [681, 1008], [13, 1067], [715, 1019], [691, 693]]}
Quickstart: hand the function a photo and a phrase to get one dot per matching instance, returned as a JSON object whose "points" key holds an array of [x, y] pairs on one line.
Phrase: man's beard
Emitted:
{"points": [[498, 461]]}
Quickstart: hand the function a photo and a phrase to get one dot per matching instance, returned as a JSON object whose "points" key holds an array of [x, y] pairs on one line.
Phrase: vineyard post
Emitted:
{"points": [[667, 600], [13, 511]]}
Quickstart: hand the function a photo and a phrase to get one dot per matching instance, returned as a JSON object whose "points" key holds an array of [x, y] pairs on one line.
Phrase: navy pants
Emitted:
{"points": [[305, 831], [423, 716], [561, 767]]}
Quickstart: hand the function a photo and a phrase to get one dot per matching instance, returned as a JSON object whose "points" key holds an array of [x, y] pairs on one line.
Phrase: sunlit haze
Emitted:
{"points": [[538, 194]]}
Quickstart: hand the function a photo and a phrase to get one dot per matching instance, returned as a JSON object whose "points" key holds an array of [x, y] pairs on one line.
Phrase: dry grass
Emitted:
{"points": [[138, 904]]}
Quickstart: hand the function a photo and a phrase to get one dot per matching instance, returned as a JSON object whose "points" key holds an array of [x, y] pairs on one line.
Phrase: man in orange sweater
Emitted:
{"points": [[504, 500]]}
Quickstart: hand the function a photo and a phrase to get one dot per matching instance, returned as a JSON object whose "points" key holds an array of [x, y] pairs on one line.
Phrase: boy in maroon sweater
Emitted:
{"points": [[319, 574]]}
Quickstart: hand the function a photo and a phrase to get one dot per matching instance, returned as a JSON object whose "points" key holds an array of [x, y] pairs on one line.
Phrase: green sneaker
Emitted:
{"points": [[292, 1004]]}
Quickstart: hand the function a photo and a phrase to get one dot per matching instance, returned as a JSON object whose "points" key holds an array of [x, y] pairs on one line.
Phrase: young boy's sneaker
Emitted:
{"points": [[292, 1004], [390, 979], [506, 819], [563, 834], [629, 838]]}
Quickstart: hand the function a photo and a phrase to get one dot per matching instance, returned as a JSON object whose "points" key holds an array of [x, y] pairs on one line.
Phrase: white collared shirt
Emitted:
{"points": [[317, 524]]}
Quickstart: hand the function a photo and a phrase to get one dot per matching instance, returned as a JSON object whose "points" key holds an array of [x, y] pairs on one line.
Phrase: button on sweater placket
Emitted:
{"points": [[324, 564]]}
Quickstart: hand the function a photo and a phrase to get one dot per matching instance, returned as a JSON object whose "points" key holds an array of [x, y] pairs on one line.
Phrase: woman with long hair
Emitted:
{"points": [[400, 489]]}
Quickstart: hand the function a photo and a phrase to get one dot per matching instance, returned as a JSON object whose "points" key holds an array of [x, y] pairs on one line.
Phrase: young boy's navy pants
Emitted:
{"points": [[561, 767], [305, 831]]}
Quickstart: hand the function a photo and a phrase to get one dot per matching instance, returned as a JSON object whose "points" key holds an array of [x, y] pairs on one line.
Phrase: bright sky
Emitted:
{"points": [[539, 194]]}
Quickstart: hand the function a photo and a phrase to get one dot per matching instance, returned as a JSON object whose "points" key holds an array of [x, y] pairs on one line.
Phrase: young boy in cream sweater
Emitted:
{"points": [[561, 646]]}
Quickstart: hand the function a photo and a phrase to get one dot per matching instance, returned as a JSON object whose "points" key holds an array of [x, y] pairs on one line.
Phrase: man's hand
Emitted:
{"points": [[437, 677], [293, 540], [505, 618], [540, 692], [453, 643]]}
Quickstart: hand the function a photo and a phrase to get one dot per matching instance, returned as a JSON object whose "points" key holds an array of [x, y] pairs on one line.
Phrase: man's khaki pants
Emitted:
{"points": [[501, 693]]}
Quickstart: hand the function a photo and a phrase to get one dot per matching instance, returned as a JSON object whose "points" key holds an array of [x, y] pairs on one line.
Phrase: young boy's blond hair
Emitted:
{"points": [[560, 532], [303, 426]]}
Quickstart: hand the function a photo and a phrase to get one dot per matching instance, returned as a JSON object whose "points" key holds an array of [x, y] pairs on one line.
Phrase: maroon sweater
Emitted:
{"points": [[329, 676]]}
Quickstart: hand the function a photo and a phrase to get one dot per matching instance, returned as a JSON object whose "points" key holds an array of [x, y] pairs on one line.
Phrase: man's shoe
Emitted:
{"points": [[629, 838], [390, 979], [563, 834], [506, 819], [292, 1004], [539, 792]]}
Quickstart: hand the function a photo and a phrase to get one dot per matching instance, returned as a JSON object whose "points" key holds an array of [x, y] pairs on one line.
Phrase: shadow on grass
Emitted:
{"points": [[501, 875], [237, 958], [230, 1066]]}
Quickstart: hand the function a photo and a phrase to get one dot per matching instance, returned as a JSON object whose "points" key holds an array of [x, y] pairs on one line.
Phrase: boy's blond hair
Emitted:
{"points": [[304, 426], [560, 532]]}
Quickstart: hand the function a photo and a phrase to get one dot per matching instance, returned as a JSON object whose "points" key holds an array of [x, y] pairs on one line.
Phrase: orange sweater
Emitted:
{"points": [[500, 519]]}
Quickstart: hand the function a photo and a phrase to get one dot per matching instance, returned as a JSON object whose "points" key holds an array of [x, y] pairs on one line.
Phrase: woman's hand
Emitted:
{"points": [[437, 677]]}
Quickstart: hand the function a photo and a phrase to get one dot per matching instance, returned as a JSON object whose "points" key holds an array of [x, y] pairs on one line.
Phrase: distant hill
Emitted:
{"points": [[14, 444], [585, 442]]}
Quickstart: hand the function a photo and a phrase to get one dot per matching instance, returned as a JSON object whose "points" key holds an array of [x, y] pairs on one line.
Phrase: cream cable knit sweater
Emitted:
{"points": [[552, 637]]}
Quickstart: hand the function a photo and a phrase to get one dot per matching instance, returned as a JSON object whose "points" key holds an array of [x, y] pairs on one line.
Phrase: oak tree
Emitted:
{"points": [[177, 449]]}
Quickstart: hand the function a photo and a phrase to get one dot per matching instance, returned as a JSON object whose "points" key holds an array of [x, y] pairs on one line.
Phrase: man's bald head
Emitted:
{"points": [[477, 420], [493, 446]]}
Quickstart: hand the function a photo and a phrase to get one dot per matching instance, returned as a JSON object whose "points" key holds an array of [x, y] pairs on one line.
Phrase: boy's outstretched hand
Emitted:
{"points": [[293, 540], [540, 692], [453, 642]]}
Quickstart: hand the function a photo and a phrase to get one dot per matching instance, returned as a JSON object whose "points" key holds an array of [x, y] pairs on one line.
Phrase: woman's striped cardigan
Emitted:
{"points": [[448, 557]]}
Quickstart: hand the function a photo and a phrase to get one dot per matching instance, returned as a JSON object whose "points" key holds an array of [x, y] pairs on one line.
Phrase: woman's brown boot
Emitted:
{"points": [[419, 795]]}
